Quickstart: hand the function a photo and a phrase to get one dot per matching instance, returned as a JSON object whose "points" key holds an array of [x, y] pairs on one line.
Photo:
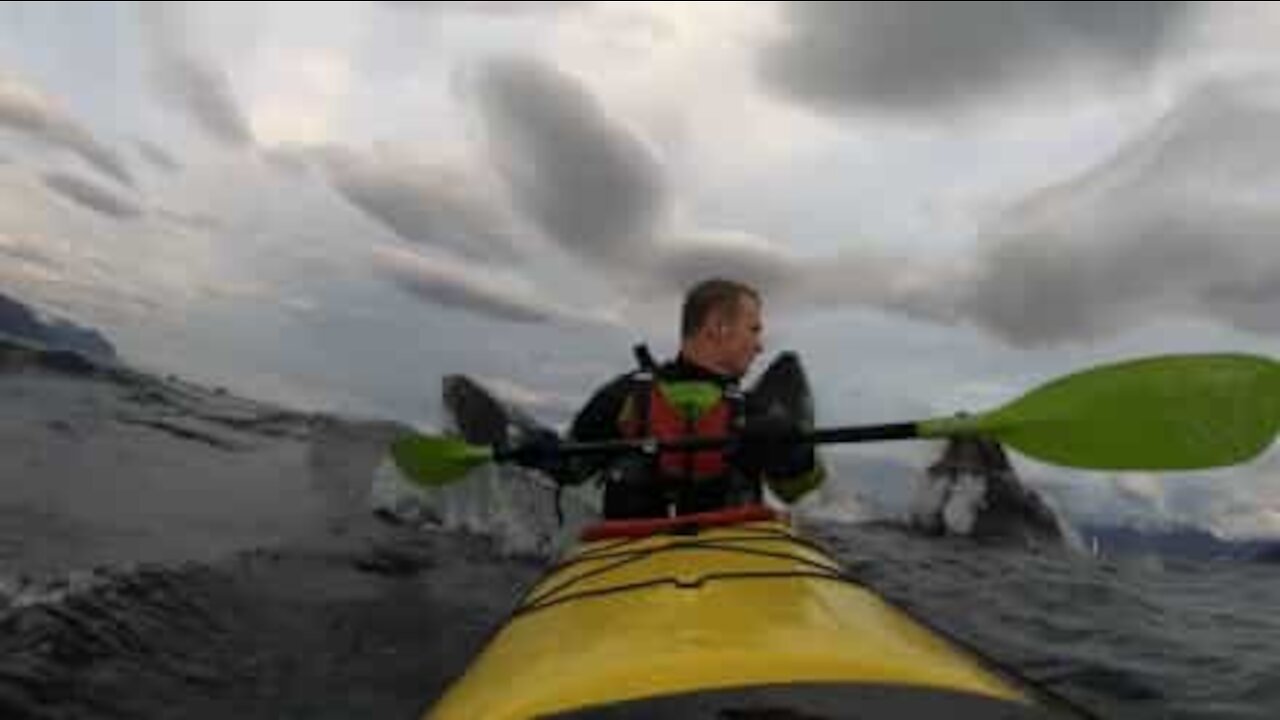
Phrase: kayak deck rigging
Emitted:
{"points": [[625, 556]]}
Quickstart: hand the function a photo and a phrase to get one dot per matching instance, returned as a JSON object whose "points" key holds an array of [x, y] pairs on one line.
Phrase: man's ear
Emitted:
{"points": [[719, 324]]}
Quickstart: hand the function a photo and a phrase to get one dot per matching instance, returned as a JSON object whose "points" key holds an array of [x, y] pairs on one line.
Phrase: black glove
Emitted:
{"points": [[770, 441], [541, 451], [770, 431]]}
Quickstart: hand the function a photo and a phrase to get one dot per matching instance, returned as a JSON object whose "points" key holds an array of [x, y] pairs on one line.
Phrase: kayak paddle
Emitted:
{"points": [[1174, 412]]}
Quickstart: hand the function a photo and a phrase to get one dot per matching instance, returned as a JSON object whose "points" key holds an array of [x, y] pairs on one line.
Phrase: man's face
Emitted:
{"points": [[739, 336]]}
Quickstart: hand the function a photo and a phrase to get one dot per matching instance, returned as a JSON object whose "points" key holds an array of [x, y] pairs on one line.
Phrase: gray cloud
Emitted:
{"points": [[919, 288], [157, 156], [27, 253], [291, 158], [190, 85], [426, 204], [1183, 220], [457, 286], [91, 196], [678, 265], [80, 142], [454, 283], [597, 190], [926, 289], [190, 220], [1180, 222], [205, 94], [925, 57], [489, 7], [588, 183], [26, 110]]}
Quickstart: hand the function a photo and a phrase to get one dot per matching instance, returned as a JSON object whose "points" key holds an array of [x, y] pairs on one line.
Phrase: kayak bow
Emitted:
{"points": [[690, 617]]}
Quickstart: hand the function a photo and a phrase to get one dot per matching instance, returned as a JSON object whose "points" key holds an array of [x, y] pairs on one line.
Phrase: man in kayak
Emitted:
{"points": [[696, 394]]}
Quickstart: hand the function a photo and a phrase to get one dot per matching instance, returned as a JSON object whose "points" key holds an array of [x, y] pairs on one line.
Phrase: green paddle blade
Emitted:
{"points": [[431, 460], [1175, 412]]}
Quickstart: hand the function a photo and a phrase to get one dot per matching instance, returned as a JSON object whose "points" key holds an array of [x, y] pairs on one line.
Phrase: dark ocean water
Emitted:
{"points": [[1125, 638], [167, 552]]}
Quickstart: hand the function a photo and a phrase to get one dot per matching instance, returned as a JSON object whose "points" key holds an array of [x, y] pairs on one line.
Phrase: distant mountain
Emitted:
{"points": [[19, 321], [1269, 552], [1177, 540], [65, 335]]}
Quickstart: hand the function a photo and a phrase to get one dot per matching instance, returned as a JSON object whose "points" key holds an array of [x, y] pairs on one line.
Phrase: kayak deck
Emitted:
{"points": [[746, 606]]}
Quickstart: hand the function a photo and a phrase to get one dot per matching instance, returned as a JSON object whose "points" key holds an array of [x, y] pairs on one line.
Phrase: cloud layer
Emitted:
{"points": [[458, 286], [1181, 220], [26, 252], [600, 193], [92, 196], [492, 7], [189, 84], [158, 156], [1177, 221], [924, 58], [25, 109], [429, 204], [584, 179]]}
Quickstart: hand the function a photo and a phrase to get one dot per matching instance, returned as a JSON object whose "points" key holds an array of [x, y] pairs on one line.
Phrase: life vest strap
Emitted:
{"points": [[649, 404]]}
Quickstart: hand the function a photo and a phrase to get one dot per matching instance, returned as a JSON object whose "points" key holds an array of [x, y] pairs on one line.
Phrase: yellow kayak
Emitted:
{"points": [[698, 618]]}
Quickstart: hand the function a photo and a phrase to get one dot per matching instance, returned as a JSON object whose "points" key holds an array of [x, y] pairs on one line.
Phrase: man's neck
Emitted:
{"points": [[691, 354]]}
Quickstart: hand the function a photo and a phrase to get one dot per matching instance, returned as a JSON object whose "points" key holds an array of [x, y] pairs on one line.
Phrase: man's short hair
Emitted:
{"points": [[709, 297]]}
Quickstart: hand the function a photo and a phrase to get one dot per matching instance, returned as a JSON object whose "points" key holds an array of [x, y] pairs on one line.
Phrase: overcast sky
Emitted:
{"points": [[945, 203]]}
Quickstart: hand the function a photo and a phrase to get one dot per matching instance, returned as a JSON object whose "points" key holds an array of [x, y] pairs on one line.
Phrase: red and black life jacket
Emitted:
{"points": [[672, 409]]}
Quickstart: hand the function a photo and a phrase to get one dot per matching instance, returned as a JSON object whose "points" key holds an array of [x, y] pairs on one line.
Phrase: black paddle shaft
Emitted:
{"points": [[853, 434]]}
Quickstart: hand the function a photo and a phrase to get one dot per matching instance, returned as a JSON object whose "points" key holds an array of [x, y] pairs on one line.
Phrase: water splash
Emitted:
{"points": [[514, 507]]}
